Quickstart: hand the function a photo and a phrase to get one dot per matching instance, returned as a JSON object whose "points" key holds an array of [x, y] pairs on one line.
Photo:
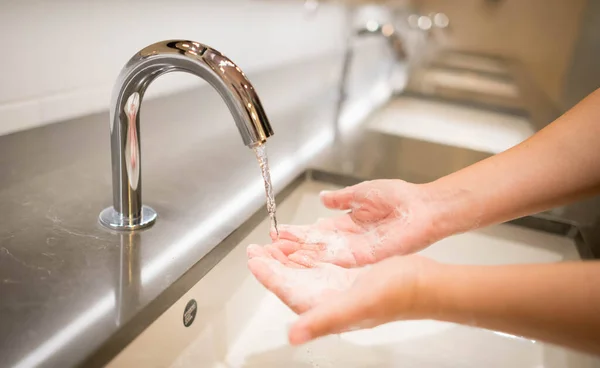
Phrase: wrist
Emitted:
{"points": [[431, 300], [451, 210]]}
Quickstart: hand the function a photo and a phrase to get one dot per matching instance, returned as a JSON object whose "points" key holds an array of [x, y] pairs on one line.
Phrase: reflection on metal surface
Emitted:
{"points": [[155, 60], [128, 293], [110, 218], [68, 333], [132, 145], [125, 298]]}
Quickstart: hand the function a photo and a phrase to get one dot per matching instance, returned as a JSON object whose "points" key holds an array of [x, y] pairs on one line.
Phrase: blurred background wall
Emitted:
{"points": [[583, 75], [85, 43], [72, 51], [541, 34]]}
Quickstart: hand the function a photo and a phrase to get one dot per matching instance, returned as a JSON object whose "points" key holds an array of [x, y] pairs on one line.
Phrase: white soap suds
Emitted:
{"points": [[355, 206], [304, 288], [403, 214], [336, 245], [333, 242]]}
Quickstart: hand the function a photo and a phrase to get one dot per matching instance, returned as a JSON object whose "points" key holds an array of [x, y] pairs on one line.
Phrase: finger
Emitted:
{"points": [[276, 278], [268, 272], [289, 247], [338, 314], [293, 264], [276, 253], [313, 236], [255, 250], [338, 199], [296, 233], [306, 258]]}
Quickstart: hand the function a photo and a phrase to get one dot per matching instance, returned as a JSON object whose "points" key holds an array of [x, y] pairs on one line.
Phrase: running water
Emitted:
{"points": [[261, 156]]}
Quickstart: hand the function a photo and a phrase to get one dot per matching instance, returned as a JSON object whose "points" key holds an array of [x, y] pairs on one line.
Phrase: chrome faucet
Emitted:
{"points": [[127, 212]]}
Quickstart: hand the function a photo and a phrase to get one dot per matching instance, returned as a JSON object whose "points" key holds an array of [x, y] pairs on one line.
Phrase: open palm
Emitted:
{"points": [[298, 287], [386, 217], [334, 299]]}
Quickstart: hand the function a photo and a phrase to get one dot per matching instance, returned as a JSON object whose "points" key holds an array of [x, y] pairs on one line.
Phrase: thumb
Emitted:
{"points": [[340, 314], [339, 199]]}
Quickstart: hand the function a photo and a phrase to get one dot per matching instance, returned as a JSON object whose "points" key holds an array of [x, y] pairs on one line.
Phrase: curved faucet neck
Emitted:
{"points": [[139, 72]]}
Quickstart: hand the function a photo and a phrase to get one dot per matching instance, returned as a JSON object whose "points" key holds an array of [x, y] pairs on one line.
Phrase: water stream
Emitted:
{"points": [[261, 155]]}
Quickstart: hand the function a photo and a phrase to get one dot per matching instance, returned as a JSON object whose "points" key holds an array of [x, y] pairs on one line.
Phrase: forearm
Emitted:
{"points": [[557, 303], [559, 164]]}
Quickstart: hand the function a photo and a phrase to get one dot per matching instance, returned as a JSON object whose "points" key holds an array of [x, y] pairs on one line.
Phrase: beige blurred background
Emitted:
{"points": [[542, 34]]}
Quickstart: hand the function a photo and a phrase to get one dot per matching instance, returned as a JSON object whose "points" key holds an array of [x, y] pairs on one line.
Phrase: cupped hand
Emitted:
{"points": [[332, 299], [384, 218], [300, 288]]}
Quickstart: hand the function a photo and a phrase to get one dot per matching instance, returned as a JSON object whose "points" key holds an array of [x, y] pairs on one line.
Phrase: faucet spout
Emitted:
{"points": [[127, 212]]}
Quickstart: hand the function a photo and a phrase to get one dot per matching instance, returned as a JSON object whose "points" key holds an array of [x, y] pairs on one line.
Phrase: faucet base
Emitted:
{"points": [[111, 219]]}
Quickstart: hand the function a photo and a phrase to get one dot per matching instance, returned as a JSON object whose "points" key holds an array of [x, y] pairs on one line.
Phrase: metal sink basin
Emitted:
{"points": [[239, 324]]}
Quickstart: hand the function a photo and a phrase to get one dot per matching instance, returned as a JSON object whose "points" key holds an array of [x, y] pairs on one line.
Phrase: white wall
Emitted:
{"points": [[60, 58]]}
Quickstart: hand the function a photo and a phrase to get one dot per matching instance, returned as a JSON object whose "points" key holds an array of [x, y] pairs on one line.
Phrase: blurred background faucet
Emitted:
{"points": [[386, 30], [127, 212]]}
